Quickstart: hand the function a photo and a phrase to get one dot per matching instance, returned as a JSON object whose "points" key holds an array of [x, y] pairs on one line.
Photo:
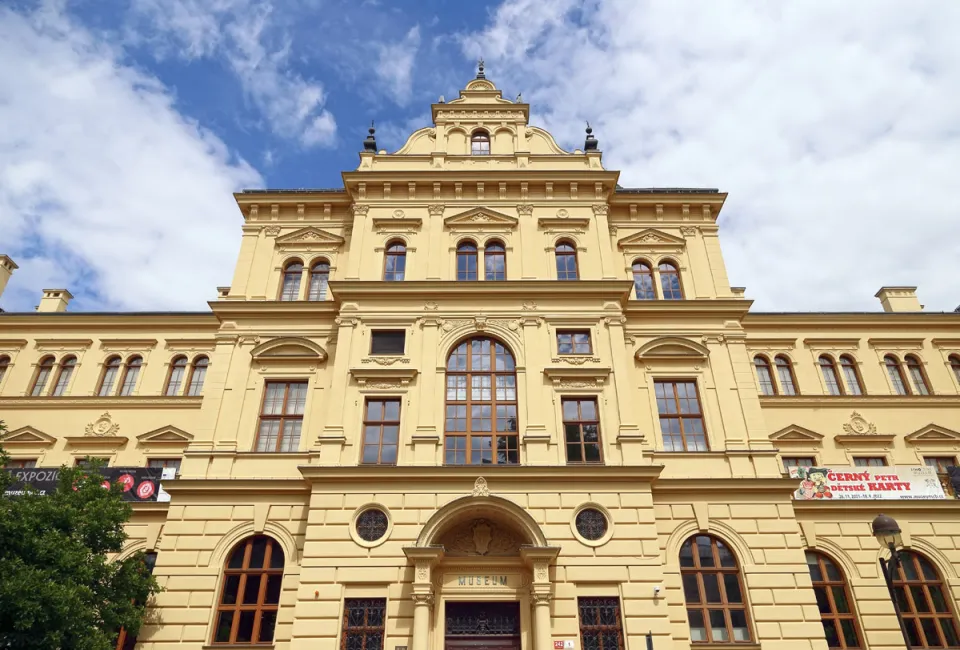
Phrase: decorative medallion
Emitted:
{"points": [[480, 488], [480, 537], [859, 426], [591, 524], [398, 214], [103, 426], [372, 525], [562, 213]]}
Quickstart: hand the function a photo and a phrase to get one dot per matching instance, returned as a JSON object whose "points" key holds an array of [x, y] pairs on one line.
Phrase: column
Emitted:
{"points": [[423, 559], [603, 240], [422, 604], [539, 558], [542, 632], [629, 436], [426, 439]]}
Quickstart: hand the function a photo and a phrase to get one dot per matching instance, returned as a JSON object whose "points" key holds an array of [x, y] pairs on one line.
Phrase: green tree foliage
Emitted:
{"points": [[59, 589]]}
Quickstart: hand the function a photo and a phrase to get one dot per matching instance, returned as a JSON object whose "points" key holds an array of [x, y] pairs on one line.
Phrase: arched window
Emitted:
{"points": [[466, 261], [713, 590], [764, 375], [395, 261], [829, 369], [480, 143], [670, 281], [494, 261], [788, 386], [198, 373], [44, 370], [917, 376], [833, 598], [895, 370], [131, 372], [4, 364], [954, 365], [250, 596], [290, 288], [566, 261], [110, 371], [924, 602], [851, 375], [319, 276], [480, 424], [178, 368], [643, 281], [67, 366]]}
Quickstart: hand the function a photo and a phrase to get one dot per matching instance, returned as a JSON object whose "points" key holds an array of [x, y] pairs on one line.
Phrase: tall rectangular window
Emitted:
{"points": [[870, 461], [281, 417], [381, 431], [797, 461], [21, 463], [164, 463], [387, 341], [939, 463], [681, 418], [574, 342], [363, 623], [600, 626], [581, 430]]}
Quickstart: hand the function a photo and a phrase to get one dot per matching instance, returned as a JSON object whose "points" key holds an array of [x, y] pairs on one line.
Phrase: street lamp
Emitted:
{"points": [[888, 534]]}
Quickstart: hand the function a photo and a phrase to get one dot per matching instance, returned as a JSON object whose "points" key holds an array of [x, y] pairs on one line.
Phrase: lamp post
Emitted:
{"points": [[887, 531]]}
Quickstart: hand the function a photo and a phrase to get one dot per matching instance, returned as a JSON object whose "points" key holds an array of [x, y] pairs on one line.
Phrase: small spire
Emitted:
{"points": [[442, 100], [480, 74], [519, 98], [370, 142], [591, 143]]}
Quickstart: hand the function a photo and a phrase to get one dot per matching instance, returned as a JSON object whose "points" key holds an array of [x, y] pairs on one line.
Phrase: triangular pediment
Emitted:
{"points": [[796, 435], [310, 237], [933, 434], [168, 435], [27, 436], [480, 218], [650, 238]]}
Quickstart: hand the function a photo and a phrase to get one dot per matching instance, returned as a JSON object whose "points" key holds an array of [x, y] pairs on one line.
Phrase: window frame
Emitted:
{"points": [[380, 424], [672, 270], [783, 364], [572, 333], [831, 378], [346, 630], [181, 370], [111, 368], [480, 137], [595, 603], [134, 365], [896, 375], [565, 254], [938, 461], [263, 574], [41, 378], [164, 463], [580, 422], [918, 376], [679, 415], [319, 269], [65, 368], [643, 275], [21, 463], [377, 333], [850, 374], [953, 359], [468, 250], [786, 467], [4, 366], [283, 417], [910, 613], [829, 586], [703, 605], [761, 362], [395, 249], [198, 367], [867, 461], [295, 276], [499, 252]]}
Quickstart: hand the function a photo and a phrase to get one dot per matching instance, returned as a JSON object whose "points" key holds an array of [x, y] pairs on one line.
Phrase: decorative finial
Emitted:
{"points": [[442, 100], [370, 142], [591, 143], [480, 74], [519, 98]]}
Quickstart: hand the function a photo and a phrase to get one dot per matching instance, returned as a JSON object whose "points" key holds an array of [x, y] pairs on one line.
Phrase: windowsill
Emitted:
{"points": [[749, 645], [238, 646]]}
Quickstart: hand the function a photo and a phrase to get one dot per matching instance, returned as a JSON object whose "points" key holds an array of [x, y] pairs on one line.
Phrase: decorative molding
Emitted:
{"points": [[62, 345], [650, 240], [271, 231], [896, 343], [190, 345], [858, 425], [94, 401], [102, 442], [310, 239], [525, 209], [127, 345], [480, 537], [796, 435], [102, 426], [165, 436], [575, 360], [383, 378], [482, 219], [689, 231], [933, 435], [833, 401], [12, 345], [480, 487], [770, 344], [359, 210], [436, 209], [288, 349], [27, 437], [385, 360], [593, 378], [832, 343], [397, 223], [672, 348], [564, 223]]}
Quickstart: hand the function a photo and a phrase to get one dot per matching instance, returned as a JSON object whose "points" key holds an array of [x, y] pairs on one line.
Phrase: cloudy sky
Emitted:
{"points": [[126, 124]]}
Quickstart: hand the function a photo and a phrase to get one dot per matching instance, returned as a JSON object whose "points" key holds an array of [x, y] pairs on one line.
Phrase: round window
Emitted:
{"points": [[372, 525], [591, 524]]}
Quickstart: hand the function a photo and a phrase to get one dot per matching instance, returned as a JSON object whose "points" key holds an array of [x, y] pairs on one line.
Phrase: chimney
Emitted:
{"points": [[7, 267], [54, 300], [899, 299]]}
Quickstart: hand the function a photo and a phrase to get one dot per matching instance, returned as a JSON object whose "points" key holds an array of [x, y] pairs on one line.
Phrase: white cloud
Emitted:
{"points": [[831, 125], [105, 188], [395, 65], [255, 48]]}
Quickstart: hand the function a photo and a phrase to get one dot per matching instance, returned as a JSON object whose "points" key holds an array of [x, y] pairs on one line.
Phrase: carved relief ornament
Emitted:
{"points": [[102, 426], [859, 426]]}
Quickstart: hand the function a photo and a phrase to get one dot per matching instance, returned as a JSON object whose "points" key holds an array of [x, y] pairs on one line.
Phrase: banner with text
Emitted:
{"points": [[867, 483], [138, 483]]}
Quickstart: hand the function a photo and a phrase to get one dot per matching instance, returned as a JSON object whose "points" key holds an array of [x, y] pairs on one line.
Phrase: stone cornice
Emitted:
{"points": [[153, 322], [276, 308], [500, 478], [47, 403], [730, 485], [820, 321], [806, 401], [472, 291], [841, 507], [233, 486], [676, 309]]}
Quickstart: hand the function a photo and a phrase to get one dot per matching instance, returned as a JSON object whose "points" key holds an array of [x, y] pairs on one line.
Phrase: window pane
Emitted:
{"points": [[718, 626], [949, 629], [224, 623], [691, 591], [268, 622], [698, 632], [849, 633], [931, 632], [251, 590], [840, 599], [711, 587], [705, 551], [831, 632], [231, 587], [272, 596], [245, 629], [731, 583], [738, 621]]}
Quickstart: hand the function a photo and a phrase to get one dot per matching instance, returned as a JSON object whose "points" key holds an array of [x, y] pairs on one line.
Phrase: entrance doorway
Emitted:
{"points": [[482, 625]]}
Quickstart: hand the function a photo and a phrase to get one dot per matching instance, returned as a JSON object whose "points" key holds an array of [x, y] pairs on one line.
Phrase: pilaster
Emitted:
{"points": [[426, 438], [629, 437], [357, 245], [332, 439], [535, 438], [603, 241]]}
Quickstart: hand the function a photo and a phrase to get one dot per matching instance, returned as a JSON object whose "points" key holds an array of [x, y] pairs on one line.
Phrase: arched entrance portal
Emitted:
{"points": [[481, 577]]}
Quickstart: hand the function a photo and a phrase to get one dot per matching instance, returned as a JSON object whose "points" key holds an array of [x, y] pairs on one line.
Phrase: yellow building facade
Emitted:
{"points": [[482, 396]]}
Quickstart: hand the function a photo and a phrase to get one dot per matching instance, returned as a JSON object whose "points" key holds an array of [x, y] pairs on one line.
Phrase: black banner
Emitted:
{"points": [[139, 484]]}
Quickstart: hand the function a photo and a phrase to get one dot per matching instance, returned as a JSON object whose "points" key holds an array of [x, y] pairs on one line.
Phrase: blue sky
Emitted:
{"points": [[126, 124]]}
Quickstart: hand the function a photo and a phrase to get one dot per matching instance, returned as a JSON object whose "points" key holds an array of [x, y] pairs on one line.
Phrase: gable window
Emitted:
{"points": [[713, 591], [281, 416], [581, 427], [395, 261], [681, 419], [869, 461], [829, 370], [764, 375], [164, 463], [44, 370], [600, 624], [4, 364], [834, 601], [290, 288], [643, 281], [381, 431], [480, 143], [574, 342], [110, 371], [566, 261], [797, 461], [670, 281], [466, 261], [494, 261], [387, 341], [178, 370], [198, 373], [364, 622], [850, 375], [480, 423], [954, 365], [924, 602], [250, 596], [895, 371], [785, 375], [319, 277], [131, 372], [940, 463], [917, 376], [64, 374]]}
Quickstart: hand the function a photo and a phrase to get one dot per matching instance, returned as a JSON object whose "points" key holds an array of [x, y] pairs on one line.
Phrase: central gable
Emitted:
{"points": [[310, 239], [480, 219], [650, 239]]}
